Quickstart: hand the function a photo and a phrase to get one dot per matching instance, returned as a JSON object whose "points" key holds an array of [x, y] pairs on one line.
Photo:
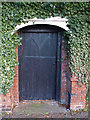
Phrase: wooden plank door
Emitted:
{"points": [[38, 64]]}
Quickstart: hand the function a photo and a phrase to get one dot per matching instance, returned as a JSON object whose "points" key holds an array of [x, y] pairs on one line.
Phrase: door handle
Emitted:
{"points": [[54, 63]]}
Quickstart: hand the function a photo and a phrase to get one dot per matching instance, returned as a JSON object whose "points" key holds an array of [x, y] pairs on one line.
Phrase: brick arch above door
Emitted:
{"points": [[56, 21]]}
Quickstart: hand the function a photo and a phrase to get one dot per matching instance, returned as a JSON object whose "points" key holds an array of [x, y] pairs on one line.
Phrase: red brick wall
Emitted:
{"points": [[78, 94], [16, 82], [12, 97], [7, 101], [71, 92], [63, 78], [68, 85]]}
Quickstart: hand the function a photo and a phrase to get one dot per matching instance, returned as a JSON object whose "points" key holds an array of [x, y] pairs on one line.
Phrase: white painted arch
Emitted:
{"points": [[56, 21]]}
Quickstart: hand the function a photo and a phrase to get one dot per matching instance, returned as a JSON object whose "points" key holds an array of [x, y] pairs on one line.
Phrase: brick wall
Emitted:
{"points": [[70, 92], [7, 101], [63, 77], [0, 103], [16, 83], [12, 97], [78, 94]]}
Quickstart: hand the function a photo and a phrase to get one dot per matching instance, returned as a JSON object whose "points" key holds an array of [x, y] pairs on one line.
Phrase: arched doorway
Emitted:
{"points": [[39, 62]]}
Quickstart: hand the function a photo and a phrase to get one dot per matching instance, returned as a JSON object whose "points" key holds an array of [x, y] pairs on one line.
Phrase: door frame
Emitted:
{"points": [[58, 68], [58, 64]]}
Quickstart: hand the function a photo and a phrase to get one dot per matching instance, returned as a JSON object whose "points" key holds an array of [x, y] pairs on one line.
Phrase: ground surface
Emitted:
{"points": [[43, 109]]}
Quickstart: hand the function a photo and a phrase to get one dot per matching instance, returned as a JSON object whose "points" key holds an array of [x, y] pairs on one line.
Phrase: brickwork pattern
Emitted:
{"points": [[78, 94], [63, 78]]}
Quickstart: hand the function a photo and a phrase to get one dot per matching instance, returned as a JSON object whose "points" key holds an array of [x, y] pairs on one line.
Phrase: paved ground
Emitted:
{"points": [[39, 107], [43, 109]]}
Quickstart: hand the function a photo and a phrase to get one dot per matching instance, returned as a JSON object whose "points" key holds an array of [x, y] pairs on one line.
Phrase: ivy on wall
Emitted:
{"points": [[15, 13]]}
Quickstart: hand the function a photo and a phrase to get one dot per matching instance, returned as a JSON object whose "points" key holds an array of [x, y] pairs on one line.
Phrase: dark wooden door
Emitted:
{"points": [[38, 63]]}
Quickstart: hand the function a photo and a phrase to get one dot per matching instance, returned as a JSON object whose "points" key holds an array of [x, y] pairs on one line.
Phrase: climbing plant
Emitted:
{"points": [[15, 13]]}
